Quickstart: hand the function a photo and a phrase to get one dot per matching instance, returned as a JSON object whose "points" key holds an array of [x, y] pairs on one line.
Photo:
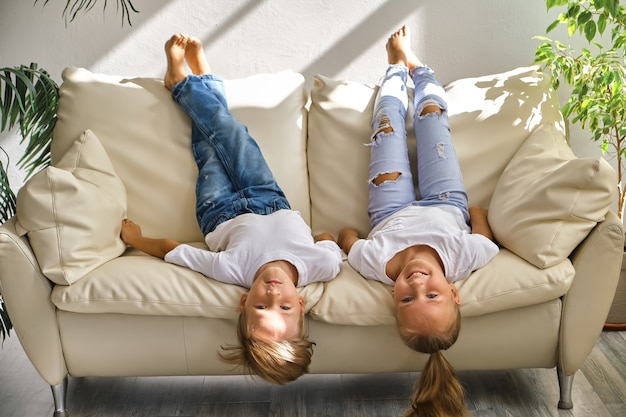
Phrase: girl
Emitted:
{"points": [[420, 246]]}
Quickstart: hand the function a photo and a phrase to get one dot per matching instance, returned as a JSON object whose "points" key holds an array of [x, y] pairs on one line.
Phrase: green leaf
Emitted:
{"points": [[571, 27], [552, 26], [601, 24], [573, 10], [584, 17], [590, 30], [553, 3], [7, 197], [5, 321]]}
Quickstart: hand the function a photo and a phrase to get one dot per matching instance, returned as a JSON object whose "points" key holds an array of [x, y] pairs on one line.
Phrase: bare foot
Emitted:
{"points": [[399, 49], [175, 53], [194, 54]]}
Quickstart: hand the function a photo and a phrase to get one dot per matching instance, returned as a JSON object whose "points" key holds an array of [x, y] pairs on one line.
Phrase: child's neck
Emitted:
{"points": [[400, 259], [287, 267]]}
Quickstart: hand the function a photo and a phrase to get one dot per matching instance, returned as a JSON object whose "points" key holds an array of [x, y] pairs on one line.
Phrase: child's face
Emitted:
{"points": [[273, 306], [423, 297]]}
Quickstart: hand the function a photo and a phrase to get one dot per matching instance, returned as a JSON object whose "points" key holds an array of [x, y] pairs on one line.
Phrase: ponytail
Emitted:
{"points": [[438, 392]]}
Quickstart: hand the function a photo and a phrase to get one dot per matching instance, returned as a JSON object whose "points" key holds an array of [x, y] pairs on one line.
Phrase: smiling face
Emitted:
{"points": [[424, 299], [273, 306]]}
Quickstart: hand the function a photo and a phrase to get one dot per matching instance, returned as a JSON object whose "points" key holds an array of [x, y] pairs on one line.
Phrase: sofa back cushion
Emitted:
{"points": [[147, 137], [490, 117]]}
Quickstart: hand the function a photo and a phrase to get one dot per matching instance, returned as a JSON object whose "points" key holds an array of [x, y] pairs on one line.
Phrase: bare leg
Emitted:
{"points": [[175, 53], [194, 54], [398, 53], [399, 49]]}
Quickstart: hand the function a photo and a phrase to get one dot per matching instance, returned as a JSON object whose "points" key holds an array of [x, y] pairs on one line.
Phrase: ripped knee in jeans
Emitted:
{"points": [[385, 176], [384, 128], [430, 106]]}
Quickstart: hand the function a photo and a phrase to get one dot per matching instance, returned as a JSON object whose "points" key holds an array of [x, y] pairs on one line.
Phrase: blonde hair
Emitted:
{"points": [[438, 392], [278, 362]]}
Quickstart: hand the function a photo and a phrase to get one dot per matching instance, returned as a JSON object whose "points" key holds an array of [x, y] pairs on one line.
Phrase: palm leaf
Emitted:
{"points": [[5, 321], [28, 98], [7, 197], [74, 7]]}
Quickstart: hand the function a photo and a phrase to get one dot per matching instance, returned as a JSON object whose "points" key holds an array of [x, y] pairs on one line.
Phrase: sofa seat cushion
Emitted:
{"points": [[148, 139], [507, 282], [136, 283]]}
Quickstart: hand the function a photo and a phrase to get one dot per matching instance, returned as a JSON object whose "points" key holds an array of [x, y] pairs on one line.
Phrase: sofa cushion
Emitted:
{"points": [[72, 212], [507, 282], [547, 200], [140, 284], [490, 117], [148, 138]]}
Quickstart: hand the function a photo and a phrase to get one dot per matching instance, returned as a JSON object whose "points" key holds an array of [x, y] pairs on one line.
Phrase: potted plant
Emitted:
{"points": [[28, 99], [596, 77]]}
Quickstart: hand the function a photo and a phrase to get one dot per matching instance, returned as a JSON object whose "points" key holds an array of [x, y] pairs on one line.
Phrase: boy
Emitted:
{"points": [[254, 238]]}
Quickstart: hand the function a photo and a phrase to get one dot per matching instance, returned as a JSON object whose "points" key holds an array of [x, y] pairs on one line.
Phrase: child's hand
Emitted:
{"points": [[131, 231]]}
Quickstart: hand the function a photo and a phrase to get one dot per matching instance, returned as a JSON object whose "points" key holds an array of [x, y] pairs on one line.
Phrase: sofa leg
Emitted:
{"points": [[59, 393], [566, 383]]}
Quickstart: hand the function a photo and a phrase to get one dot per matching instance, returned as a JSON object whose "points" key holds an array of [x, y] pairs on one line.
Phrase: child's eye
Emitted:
{"points": [[407, 299], [260, 307], [285, 307], [431, 295]]}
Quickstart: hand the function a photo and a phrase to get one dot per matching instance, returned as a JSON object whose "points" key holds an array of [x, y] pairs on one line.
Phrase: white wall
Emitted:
{"points": [[337, 38]]}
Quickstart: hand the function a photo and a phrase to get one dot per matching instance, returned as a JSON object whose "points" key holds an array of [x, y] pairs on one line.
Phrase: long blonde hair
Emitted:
{"points": [[438, 392], [278, 362]]}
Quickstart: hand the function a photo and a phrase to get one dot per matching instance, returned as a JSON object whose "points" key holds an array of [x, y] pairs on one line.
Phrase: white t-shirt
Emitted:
{"points": [[240, 246], [443, 228]]}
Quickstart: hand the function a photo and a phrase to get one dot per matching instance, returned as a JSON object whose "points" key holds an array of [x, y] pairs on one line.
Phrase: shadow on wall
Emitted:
{"points": [[386, 19], [383, 21]]}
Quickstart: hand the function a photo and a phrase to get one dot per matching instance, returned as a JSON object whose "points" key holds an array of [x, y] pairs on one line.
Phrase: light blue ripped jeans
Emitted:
{"points": [[439, 177]]}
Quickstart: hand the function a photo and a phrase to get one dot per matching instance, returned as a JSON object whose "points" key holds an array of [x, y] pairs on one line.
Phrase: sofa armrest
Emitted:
{"points": [[597, 261], [26, 292]]}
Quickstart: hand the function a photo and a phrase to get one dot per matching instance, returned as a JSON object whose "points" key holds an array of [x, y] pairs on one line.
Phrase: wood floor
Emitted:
{"points": [[599, 391]]}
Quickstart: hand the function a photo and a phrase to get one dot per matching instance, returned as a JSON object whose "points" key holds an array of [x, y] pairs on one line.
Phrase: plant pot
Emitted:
{"points": [[616, 320]]}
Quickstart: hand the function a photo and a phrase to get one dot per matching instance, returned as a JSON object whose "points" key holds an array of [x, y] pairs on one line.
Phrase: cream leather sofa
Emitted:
{"points": [[84, 305]]}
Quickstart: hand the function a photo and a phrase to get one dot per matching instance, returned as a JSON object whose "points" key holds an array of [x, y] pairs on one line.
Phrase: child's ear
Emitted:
{"points": [[242, 301], [301, 301], [455, 294]]}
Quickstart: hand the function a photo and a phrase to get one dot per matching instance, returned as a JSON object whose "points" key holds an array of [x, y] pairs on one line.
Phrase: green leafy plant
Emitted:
{"points": [[28, 99], [74, 7], [595, 75]]}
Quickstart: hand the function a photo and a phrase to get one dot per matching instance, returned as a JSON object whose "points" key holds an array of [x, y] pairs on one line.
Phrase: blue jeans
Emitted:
{"points": [[233, 176], [439, 177]]}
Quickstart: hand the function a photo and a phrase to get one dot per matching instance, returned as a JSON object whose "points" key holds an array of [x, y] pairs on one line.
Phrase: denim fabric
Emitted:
{"points": [[233, 176], [439, 176]]}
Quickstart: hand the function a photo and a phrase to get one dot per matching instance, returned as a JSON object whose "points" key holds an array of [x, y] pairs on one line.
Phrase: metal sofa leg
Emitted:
{"points": [[566, 383], [59, 393]]}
